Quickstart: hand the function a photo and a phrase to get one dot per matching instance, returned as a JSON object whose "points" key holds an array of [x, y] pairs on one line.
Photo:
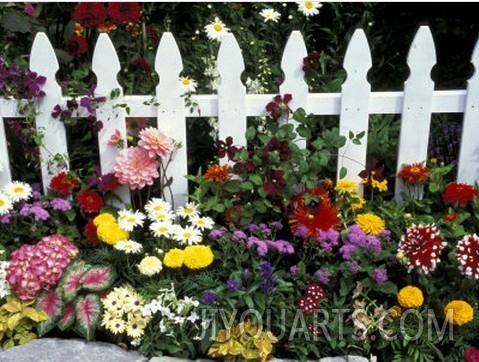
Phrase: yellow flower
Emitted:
{"points": [[150, 265], [345, 185], [410, 297], [174, 258], [395, 311], [198, 256], [370, 223], [381, 186], [111, 233], [358, 202], [103, 218], [458, 312]]}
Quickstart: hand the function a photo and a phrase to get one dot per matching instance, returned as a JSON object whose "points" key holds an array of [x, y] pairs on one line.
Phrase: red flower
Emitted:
{"points": [[315, 291], [415, 173], [422, 246], [467, 255], [226, 148], [90, 201], [471, 354], [457, 193], [307, 304], [217, 173], [89, 14], [279, 107], [76, 45], [142, 63], [234, 215], [281, 148], [275, 182], [318, 214], [124, 12], [373, 171], [90, 233], [311, 62], [64, 183], [450, 216]]}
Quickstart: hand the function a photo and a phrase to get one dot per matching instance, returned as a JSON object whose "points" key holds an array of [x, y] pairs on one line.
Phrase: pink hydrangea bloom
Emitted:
{"points": [[33, 267], [135, 167], [155, 142]]}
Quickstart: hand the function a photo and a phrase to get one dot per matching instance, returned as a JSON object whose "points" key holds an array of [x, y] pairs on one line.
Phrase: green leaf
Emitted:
{"points": [[250, 133], [343, 172], [88, 310], [14, 22]]}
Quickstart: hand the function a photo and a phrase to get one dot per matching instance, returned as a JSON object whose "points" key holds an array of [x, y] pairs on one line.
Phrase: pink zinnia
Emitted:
{"points": [[135, 167], [155, 142]]}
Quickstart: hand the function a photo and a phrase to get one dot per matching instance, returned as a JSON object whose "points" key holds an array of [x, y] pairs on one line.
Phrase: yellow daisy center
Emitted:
{"points": [[308, 5], [218, 27]]}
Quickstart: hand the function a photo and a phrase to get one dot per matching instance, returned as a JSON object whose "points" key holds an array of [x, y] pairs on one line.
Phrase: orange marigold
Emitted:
{"points": [[217, 173]]}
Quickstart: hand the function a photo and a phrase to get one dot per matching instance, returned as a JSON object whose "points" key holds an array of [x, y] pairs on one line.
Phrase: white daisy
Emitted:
{"points": [[190, 210], [129, 246], [18, 191], [270, 14], [216, 30], [6, 204], [188, 85], [202, 222], [156, 204], [309, 8], [164, 216], [127, 219], [188, 235], [162, 228]]}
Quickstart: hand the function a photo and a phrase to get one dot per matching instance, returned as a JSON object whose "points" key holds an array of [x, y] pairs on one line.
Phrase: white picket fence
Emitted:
{"points": [[231, 105]]}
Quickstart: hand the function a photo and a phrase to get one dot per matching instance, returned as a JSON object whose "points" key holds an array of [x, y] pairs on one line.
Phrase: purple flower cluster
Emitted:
{"points": [[209, 297], [323, 276], [380, 275], [232, 285], [268, 280], [358, 238], [20, 83], [328, 239]]}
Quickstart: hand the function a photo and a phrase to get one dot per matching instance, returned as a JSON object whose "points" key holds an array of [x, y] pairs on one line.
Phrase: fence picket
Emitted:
{"points": [[5, 171], [231, 92], [468, 167], [171, 112], [416, 112], [44, 61], [354, 116]]}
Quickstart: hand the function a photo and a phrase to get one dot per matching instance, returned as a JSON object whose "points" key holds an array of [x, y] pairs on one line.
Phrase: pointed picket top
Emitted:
{"points": [[416, 112], [44, 62], [292, 65], [354, 115], [171, 113], [468, 167], [106, 66], [231, 92]]}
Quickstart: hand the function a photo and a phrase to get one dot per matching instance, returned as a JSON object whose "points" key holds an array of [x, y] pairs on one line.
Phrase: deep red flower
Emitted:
{"points": [[307, 304], [450, 216], [471, 354], [373, 171], [234, 215], [76, 45], [91, 234], [320, 214], [141, 63], [311, 62], [89, 14], [274, 182], [124, 12], [415, 173], [279, 108], [276, 146], [422, 246], [467, 255], [90, 201], [64, 183], [226, 148], [316, 291], [456, 193]]}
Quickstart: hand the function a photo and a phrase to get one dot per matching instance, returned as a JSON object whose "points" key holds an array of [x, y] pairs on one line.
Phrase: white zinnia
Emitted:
{"points": [[17, 191], [309, 8], [270, 14], [216, 30], [188, 85]]}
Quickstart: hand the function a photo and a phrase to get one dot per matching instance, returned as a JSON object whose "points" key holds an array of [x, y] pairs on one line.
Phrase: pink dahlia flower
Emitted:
{"points": [[155, 142], [135, 167]]}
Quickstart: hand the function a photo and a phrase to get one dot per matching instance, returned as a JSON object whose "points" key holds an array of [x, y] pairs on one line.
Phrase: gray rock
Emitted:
{"points": [[344, 359], [69, 350]]}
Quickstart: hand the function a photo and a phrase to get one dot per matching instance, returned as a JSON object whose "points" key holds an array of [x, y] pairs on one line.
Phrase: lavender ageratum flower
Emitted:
{"points": [[232, 285], [239, 235], [373, 244], [209, 297], [39, 213], [60, 204], [346, 250], [301, 231], [217, 233], [251, 228], [323, 276], [353, 267], [268, 280], [328, 239], [380, 275], [293, 270], [356, 236], [284, 247], [276, 225]]}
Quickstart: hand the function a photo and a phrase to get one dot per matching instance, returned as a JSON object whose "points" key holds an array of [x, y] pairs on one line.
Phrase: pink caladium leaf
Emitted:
{"points": [[88, 310], [70, 282], [51, 302], [68, 317], [98, 278]]}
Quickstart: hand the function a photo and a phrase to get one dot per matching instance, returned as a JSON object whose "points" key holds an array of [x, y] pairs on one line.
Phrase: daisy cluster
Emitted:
{"points": [[12, 193]]}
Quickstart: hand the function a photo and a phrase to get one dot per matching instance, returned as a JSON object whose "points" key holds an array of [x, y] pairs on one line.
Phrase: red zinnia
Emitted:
{"points": [[467, 255], [415, 173], [64, 183], [90, 201], [90, 233], [124, 12], [422, 246], [320, 215], [457, 193], [76, 45], [89, 14]]}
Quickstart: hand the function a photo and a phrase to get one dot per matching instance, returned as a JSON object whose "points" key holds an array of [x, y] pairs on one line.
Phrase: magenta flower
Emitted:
{"points": [[135, 167], [155, 142]]}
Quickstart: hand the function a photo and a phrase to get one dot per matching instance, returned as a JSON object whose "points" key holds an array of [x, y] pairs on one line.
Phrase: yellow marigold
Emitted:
{"points": [[381, 186], [370, 223], [103, 218], [198, 256], [410, 297], [345, 185], [174, 258], [111, 233], [217, 173], [395, 311], [459, 312], [150, 265]]}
